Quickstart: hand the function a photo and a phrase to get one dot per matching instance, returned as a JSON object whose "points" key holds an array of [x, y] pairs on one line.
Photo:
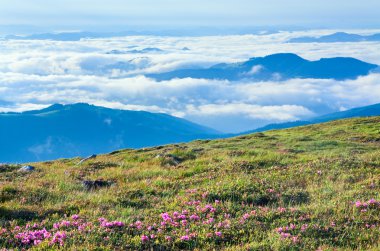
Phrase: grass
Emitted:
{"points": [[307, 188]]}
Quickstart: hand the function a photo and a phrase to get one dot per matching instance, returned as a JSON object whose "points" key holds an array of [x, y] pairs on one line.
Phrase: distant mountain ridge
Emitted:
{"points": [[365, 111], [81, 129], [135, 51], [177, 32], [338, 37], [65, 36], [279, 66], [75, 36], [62, 131]]}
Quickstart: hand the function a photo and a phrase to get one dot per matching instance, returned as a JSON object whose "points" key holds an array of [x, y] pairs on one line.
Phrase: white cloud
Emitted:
{"points": [[255, 69], [275, 113], [34, 74]]}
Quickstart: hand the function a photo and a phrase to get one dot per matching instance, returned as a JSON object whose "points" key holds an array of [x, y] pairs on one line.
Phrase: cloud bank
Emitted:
{"points": [[34, 74]]}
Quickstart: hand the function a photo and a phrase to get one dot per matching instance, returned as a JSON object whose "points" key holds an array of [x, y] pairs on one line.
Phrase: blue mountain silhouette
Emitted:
{"points": [[338, 37], [81, 129], [280, 66]]}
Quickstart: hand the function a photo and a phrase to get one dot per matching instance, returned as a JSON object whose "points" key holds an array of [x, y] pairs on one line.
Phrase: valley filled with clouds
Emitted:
{"points": [[111, 72]]}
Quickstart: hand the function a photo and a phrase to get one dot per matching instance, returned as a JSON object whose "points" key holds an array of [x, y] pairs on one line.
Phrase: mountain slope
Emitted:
{"points": [[277, 67], [365, 111], [80, 129], [338, 37], [308, 188]]}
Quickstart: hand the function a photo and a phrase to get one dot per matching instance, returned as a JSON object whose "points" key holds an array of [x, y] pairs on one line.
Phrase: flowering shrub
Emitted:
{"points": [[370, 204]]}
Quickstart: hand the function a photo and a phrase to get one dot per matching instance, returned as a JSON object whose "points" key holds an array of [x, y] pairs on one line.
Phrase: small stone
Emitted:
{"points": [[169, 159], [27, 169], [95, 184]]}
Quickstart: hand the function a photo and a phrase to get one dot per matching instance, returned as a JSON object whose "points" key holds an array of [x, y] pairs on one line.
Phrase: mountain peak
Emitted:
{"points": [[284, 56], [275, 66], [54, 107], [79, 106], [59, 107], [278, 57]]}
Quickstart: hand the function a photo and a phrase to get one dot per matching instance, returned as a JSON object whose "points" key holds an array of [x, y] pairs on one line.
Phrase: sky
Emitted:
{"points": [[90, 14]]}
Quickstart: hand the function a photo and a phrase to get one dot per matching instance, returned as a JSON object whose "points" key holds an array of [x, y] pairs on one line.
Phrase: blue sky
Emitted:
{"points": [[79, 14]]}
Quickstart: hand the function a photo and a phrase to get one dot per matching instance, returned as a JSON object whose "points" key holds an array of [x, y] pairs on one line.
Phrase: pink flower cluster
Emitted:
{"points": [[364, 206], [193, 203], [33, 237], [58, 238], [287, 228], [247, 216], [197, 219], [177, 219], [110, 224], [3, 230], [185, 238], [144, 239], [179, 223], [206, 208], [36, 233], [62, 224], [75, 217], [285, 235]]}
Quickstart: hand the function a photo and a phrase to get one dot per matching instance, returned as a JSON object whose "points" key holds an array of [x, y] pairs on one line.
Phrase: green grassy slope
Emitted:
{"points": [[305, 188]]}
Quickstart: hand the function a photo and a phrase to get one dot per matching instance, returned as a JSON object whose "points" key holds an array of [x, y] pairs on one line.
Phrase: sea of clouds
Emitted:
{"points": [[110, 72]]}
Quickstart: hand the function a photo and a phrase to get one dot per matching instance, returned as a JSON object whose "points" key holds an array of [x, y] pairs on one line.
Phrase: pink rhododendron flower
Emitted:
{"points": [[58, 238], [144, 238], [75, 217], [185, 238]]}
